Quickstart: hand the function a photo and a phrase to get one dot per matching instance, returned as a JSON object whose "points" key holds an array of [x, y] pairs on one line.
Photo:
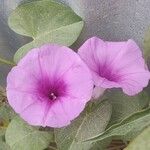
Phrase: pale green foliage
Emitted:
{"points": [[91, 122], [124, 105], [21, 136], [45, 21], [2, 134], [4, 146], [6, 113], [141, 142], [128, 128]]}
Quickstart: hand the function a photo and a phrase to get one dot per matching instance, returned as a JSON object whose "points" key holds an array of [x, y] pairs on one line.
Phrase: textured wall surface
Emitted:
{"points": [[109, 19], [113, 19]]}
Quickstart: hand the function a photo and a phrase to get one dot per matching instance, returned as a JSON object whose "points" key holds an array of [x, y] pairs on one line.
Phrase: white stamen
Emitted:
{"points": [[53, 96]]}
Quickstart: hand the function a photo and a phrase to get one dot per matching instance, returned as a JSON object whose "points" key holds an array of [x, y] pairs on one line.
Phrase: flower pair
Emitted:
{"points": [[51, 85]]}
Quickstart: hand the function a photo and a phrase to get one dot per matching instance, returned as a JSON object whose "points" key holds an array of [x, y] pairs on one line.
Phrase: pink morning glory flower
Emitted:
{"points": [[115, 65], [50, 86]]}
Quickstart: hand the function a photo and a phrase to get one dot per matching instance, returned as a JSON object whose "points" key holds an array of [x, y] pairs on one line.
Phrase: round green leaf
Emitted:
{"points": [[45, 21], [126, 129], [141, 142], [21, 136], [6, 113], [4, 146], [124, 105]]}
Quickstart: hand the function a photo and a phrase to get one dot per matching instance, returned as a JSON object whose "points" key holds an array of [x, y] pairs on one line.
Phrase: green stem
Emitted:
{"points": [[4, 61]]}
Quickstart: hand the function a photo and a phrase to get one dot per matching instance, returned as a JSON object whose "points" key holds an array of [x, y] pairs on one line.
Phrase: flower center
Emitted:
{"points": [[52, 96], [108, 73], [52, 89]]}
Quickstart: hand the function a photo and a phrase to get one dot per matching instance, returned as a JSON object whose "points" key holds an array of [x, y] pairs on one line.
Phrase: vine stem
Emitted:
{"points": [[7, 62]]}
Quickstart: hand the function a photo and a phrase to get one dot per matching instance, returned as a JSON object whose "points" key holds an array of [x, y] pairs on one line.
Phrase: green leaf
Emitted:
{"points": [[147, 44], [101, 145], [21, 136], [6, 62], [123, 105], [3, 125], [91, 122], [141, 142], [45, 21], [6, 113], [4, 146], [128, 128], [2, 134]]}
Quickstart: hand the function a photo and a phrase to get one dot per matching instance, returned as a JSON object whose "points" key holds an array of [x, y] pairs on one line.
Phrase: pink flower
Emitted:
{"points": [[116, 65], [50, 86]]}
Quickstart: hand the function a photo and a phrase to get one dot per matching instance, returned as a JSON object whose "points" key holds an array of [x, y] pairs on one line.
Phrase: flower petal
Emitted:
{"points": [[50, 86], [80, 85], [18, 79], [64, 111], [115, 64]]}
